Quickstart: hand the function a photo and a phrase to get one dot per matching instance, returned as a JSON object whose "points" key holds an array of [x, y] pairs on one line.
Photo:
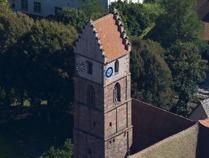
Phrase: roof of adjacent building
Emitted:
{"points": [[161, 134], [181, 145], [201, 111], [153, 124], [111, 36], [205, 105]]}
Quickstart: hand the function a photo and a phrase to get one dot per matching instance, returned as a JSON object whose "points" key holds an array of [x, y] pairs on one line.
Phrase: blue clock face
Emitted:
{"points": [[109, 72]]}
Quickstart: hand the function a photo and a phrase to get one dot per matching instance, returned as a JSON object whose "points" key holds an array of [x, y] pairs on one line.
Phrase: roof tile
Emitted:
{"points": [[110, 37]]}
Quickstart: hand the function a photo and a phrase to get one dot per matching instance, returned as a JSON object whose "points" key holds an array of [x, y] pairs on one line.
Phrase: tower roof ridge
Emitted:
{"points": [[111, 36], [97, 37]]}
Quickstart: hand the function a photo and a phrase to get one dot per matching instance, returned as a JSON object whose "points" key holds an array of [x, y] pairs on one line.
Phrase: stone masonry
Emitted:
{"points": [[102, 130]]}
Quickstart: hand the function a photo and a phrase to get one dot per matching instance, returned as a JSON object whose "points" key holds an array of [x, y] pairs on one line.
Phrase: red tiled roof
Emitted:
{"points": [[110, 37]]}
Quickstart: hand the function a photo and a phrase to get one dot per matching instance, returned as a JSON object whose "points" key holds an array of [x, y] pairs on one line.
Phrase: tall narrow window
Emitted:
{"points": [[13, 5], [117, 93], [37, 7], [116, 66], [24, 5], [91, 96], [89, 67], [57, 10]]}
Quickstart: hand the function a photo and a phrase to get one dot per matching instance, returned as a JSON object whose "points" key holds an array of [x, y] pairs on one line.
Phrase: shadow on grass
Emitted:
{"points": [[30, 137]]}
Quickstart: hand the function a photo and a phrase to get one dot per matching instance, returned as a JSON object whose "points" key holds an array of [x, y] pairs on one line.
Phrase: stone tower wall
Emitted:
{"points": [[104, 130]]}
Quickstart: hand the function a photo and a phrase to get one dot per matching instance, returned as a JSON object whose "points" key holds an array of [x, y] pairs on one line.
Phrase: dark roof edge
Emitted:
{"points": [[160, 109]]}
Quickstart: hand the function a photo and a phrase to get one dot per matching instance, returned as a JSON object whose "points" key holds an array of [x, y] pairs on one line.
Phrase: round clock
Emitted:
{"points": [[109, 72], [80, 67]]}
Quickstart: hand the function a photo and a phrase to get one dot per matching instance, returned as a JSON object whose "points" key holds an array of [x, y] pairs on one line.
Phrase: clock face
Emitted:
{"points": [[81, 67], [109, 72]]}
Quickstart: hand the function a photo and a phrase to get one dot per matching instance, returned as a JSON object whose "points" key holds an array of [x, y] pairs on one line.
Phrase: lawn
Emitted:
{"points": [[30, 137]]}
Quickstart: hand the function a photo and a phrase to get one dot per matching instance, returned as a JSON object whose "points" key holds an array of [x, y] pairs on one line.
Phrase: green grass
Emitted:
{"points": [[10, 149], [30, 137]]}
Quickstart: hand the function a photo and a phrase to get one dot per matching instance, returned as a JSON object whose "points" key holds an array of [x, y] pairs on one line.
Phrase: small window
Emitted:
{"points": [[94, 124], [37, 7], [24, 5], [116, 66], [117, 93], [91, 96], [13, 6], [110, 124], [89, 67], [57, 10], [89, 151]]}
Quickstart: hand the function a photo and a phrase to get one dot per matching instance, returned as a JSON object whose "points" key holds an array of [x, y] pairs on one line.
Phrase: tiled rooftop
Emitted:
{"points": [[110, 37]]}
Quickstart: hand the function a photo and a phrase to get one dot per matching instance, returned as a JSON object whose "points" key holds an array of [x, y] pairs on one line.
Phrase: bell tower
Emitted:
{"points": [[102, 104]]}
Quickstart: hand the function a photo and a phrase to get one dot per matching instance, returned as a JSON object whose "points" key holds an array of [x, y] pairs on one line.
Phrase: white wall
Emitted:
{"points": [[133, 1], [48, 6]]}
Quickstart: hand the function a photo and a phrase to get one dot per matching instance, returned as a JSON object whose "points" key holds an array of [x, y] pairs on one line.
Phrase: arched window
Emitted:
{"points": [[91, 96], [116, 66], [117, 93]]}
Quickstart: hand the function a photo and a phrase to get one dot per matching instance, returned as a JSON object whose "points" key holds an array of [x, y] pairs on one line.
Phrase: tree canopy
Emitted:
{"points": [[179, 22], [150, 74], [12, 27], [3, 6], [77, 17], [65, 152], [188, 70], [36, 59], [72, 16], [137, 18]]}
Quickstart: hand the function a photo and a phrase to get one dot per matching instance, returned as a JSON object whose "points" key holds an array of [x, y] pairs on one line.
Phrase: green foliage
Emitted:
{"points": [[188, 69], [150, 74], [49, 46], [36, 61], [12, 27], [93, 8], [65, 152], [73, 17], [151, 1], [137, 17], [77, 17], [50, 36], [4, 8], [179, 22]]}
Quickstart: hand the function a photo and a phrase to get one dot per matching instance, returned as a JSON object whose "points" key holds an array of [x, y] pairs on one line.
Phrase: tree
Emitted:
{"points": [[77, 17], [179, 22], [65, 152], [3, 7], [72, 16], [93, 8], [36, 61], [47, 49], [151, 76], [12, 27], [138, 18], [188, 70]]}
